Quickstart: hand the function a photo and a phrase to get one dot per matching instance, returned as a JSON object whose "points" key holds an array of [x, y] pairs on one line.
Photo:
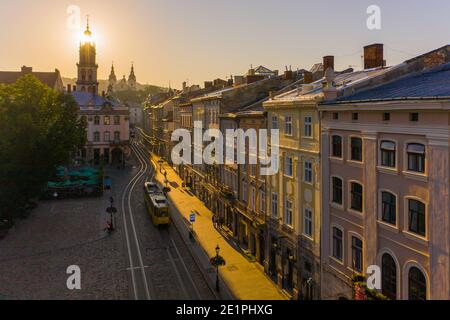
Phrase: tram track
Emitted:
{"points": [[167, 238], [139, 279]]}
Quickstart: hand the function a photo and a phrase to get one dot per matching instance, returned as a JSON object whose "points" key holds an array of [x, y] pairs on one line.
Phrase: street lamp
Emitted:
{"points": [[111, 210], [217, 261], [217, 269]]}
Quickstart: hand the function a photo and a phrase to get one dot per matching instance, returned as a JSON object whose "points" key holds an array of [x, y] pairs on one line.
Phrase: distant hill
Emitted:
{"points": [[134, 97]]}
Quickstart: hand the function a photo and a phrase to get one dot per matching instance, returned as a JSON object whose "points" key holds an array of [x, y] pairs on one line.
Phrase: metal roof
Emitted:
{"points": [[433, 83]]}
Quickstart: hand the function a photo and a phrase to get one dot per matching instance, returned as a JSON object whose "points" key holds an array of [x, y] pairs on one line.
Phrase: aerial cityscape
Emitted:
{"points": [[296, 181]]}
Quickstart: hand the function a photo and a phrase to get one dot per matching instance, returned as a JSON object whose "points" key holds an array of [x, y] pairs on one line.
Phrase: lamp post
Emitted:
{"points": [[217, 269], [217, 261], [111, 210]]}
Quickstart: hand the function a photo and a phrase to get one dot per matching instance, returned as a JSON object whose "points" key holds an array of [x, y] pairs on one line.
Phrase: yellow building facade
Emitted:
{"points": [[293, 197]]}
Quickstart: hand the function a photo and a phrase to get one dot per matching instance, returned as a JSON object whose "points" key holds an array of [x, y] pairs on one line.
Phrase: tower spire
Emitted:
{"points": [[88, 31]]}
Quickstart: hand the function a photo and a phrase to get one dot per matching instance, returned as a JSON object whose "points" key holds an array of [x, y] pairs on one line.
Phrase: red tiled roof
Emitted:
{"points": [[48, 78]]}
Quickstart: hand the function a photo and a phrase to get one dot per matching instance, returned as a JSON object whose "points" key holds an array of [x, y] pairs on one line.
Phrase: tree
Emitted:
{"points": [[39, 130], [137, 96]]}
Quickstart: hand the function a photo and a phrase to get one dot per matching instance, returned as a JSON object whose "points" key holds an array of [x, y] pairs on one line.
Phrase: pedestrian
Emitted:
{"points": [[214, 221]]}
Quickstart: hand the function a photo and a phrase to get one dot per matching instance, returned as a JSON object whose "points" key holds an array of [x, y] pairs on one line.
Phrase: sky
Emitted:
{"points": [[171, 41]]}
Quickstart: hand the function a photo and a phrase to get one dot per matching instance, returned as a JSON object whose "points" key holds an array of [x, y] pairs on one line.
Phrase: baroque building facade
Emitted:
{"points": [[108, 128]]}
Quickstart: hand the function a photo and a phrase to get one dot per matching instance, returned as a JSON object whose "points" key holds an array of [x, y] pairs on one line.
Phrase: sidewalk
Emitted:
{"points": [[242, 277]]}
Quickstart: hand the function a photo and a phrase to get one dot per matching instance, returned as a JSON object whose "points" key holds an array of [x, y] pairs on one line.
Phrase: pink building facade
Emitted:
{"points": [[385, 188]]}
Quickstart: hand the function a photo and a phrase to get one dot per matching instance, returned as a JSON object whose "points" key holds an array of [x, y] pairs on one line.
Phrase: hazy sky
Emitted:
{"points": [[177, 40]]}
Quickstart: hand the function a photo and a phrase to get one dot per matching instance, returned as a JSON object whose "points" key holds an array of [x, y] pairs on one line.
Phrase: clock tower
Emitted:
{"points": [[87, 65]]}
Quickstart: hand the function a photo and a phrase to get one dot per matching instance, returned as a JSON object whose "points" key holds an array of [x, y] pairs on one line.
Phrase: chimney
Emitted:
{"points": [[184, 86], [208, 84], [307, 77], [373, 56], [329, 88], [288, 75], [27, 70], [328, 62], [69, 88]]}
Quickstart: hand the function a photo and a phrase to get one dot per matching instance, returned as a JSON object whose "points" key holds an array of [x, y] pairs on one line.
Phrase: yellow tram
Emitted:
{"points": [[156, 204]]}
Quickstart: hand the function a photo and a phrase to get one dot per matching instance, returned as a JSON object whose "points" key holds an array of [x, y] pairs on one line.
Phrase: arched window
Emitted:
{"points": [[97, 136], [356, 197], [388, 208], [337, 192], [417, 217], [389, 276], [336, 146], [107, 136], [417, 285], [338, 246], [356, 149]]}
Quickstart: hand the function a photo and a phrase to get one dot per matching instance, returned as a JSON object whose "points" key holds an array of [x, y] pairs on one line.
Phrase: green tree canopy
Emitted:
{"points": [[137, 96], [39, 130]]}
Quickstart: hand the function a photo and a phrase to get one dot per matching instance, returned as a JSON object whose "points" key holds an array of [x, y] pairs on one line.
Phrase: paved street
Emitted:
{"points": [[244, 279], [35, 254]]}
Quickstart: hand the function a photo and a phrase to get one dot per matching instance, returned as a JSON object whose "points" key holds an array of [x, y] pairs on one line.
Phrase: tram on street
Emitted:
{"points": [[156, 204]]}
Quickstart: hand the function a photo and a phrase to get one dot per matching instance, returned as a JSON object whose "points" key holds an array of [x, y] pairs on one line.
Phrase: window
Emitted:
{"points": [[308, 126], [116, 120], [288, 167], [288, 126], [357, 254], [244, 192], [308, 222], [416, 216], [356, 149], [274, 205], [96, 136], [389, 277], [275, 122], [106, 120], [252, 170], [355, 116], [288, 213], [416, 157], [335, 116], [253, 198], [389, 208], [96, 120], [337, 190], [336, 146], [414, 117], [262, 202], [388, 154], [117, 136], [356, 196], [417, 285], [308, 172], [386, 116], [337, 244], [106, 136]]}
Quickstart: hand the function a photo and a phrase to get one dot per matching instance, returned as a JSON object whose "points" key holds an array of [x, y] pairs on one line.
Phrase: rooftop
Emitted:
{"points": [[342, 81], [85, 98], [49, 78], [434, 83]]}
